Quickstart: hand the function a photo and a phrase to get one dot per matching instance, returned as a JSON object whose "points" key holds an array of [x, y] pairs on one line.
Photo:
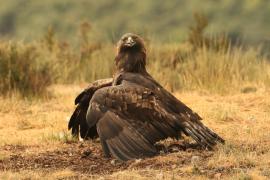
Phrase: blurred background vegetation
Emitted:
{"points": [[219, 46], [164, 20]]}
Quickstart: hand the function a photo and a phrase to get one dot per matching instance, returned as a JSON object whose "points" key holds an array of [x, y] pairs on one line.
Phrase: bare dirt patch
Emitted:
{"points": [[77, 157], [87, 158]]}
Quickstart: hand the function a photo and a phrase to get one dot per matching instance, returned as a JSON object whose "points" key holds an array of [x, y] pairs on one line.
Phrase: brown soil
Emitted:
{"points": [[87, 158]]}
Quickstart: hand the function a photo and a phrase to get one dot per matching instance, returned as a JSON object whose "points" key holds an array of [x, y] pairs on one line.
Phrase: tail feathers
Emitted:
{"points": [[202, 134], [74, 123]]}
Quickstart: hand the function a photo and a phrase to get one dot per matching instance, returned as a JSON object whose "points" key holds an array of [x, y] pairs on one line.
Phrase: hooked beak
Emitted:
{"points": [[130, 42]]}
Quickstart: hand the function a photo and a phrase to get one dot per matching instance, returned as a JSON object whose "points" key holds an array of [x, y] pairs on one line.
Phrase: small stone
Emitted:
{"points": [[195, 160], [115, 162], [174, 166], [138, 160]]}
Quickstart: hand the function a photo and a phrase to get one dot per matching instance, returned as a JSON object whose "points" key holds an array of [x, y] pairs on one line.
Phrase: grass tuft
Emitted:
{"points": [[63, 136], [22, 70]]}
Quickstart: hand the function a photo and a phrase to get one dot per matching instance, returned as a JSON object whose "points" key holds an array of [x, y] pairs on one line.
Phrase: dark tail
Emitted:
{"points": [[74, 123], [78, 124]]}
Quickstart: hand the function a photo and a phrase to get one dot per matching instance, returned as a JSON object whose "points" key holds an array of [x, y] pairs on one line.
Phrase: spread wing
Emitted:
{"points": [[169, 100], [77, 122], [130, 119]]}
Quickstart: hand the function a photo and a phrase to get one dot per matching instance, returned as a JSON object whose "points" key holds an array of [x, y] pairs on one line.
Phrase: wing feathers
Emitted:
{"points": [[77, 122], [131, 119], [201, 134], [123, 140]]}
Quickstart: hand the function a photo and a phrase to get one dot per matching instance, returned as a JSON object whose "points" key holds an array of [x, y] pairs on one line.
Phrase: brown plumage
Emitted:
{"points": [[77, 122], [131, 112]]}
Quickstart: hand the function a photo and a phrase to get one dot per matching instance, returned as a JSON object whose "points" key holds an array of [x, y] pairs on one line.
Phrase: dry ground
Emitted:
{"points": [[34, 141]]}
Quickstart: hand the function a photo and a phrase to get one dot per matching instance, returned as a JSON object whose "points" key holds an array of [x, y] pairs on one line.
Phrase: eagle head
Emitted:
{"points": [[131, 53], [130, 42]]}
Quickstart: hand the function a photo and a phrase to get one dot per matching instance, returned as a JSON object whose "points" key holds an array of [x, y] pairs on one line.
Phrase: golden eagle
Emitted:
{"points": [[131, 112]]}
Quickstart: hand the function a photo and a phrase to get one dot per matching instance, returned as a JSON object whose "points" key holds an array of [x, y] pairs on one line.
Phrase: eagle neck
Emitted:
{"points": [[131, 62]]}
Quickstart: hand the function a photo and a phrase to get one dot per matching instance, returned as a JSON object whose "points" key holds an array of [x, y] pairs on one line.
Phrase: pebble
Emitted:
{"points": [[138, 160], [195, 160], [115, 162]]}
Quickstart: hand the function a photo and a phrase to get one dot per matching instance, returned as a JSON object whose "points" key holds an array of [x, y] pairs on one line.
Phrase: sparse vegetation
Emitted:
{"points": [[62, 136], [226, 83], [22, 69], [202, 62], [47, 149]]}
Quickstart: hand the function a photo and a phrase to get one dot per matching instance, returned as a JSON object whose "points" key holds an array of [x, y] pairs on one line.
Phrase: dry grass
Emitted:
{"points": [[30, 128], [22, 70], [201, 62]]}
